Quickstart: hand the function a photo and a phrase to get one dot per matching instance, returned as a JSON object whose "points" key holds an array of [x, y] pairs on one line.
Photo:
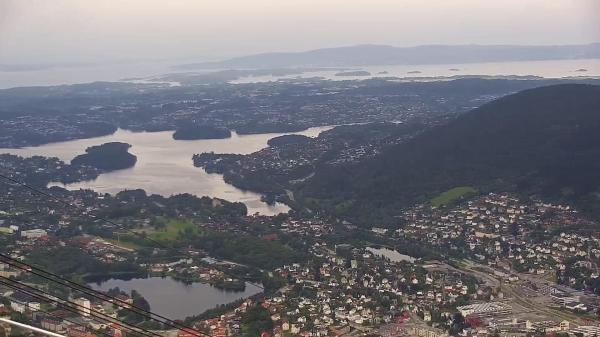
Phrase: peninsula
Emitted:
{"points": [[201, 132]]}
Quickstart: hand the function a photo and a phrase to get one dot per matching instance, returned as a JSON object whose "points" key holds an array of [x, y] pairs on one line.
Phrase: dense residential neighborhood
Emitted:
{"points": [[496, 263]]}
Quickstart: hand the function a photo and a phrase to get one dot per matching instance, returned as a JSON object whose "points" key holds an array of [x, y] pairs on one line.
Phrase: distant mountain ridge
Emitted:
{"points": [[543, 141], [365, 55]]}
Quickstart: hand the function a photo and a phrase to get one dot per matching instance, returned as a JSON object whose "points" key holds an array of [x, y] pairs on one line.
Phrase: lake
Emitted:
{"points": [[393, 255], [174, 299], [164, 165]]}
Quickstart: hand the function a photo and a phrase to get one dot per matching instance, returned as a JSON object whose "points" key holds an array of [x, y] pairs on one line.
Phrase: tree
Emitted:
{"points": [[514, 229], [256, 320], [458, 324], [139, 301]]}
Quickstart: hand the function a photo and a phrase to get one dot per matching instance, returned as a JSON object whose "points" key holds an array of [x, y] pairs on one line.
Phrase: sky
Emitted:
{"points": [[90, 31]]}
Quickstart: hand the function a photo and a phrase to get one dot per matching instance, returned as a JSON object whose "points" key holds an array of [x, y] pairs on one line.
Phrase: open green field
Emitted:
{"points": [[452, 195], [125, 243], [172, 229]]}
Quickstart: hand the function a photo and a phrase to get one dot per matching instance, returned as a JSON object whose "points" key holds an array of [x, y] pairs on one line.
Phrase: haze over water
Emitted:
{"points": [[164, 165], [117, 72], [545, 69]]}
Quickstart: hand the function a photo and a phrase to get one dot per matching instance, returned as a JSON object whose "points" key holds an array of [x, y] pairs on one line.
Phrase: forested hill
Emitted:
{"points": [[544, 141]]}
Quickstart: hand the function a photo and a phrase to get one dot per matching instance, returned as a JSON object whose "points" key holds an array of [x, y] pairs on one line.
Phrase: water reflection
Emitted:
{"points": [[393, 255], [165, 165], [174, 299]]}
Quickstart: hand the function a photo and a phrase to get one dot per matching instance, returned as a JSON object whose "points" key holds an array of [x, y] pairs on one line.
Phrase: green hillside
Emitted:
{"points": [[544, 141]]}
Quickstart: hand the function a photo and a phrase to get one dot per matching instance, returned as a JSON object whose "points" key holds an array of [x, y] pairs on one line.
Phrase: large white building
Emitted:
{"points": [[6, 230], [84, 306], [587, 330], [34, 233], [485, 309], [21, 303]]}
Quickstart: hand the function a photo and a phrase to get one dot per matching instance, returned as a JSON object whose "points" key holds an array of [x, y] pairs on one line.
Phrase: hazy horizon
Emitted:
{"points": [[70, 31]]}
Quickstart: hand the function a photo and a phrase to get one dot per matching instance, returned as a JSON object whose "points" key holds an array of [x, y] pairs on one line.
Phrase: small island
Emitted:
{"points": [[414, 72], [107, 157], [194, 132], [581, 70], [354, 73], [288, 139]]}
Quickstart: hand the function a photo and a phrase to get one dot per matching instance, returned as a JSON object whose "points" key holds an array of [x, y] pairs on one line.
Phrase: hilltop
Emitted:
{"points": [[543, 141]]}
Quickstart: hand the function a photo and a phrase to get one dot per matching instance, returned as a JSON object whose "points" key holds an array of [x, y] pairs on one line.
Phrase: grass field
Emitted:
{"points": [[124, 243], [172, 229], [452, 195]]}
